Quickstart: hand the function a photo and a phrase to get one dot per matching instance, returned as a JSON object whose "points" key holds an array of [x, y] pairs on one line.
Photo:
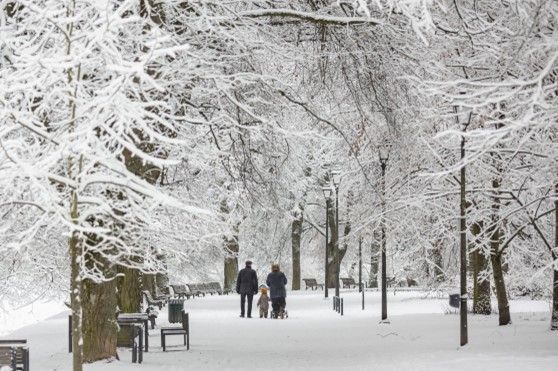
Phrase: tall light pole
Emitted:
{"points": [[384, 156], [336, 175], [463, 118], [360, 264], [360, 283], [327, 195]]}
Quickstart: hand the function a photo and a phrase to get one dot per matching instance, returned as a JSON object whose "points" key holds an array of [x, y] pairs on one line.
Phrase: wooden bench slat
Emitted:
{"points": [[173, 331], [13, 341]]}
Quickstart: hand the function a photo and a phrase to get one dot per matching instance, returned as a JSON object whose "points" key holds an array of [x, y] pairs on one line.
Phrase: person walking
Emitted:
{"points": [[247, 287], [277, 282]]}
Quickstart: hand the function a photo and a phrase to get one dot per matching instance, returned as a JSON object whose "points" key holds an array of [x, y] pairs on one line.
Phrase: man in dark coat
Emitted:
{"points": [[277, 282], [247, 287]]}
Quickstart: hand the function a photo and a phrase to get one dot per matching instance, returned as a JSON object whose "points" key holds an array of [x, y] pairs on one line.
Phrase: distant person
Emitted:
{"points": [[263, 303], [247, 287], [277, 282]]}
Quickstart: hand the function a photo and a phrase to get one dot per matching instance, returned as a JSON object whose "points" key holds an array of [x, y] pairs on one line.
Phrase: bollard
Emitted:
{"points": [[341, 306]]}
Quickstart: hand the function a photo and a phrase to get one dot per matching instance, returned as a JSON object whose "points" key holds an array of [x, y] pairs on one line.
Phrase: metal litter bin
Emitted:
{"points": [[176, 306], [454, 300]]}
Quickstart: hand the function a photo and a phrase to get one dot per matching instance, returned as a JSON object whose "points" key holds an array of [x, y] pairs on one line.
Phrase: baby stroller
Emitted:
{"points": [[281, 312]]}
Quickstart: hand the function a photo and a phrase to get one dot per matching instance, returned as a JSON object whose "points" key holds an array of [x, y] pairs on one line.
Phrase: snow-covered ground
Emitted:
{"points": [[314, 337], [12, 318]]}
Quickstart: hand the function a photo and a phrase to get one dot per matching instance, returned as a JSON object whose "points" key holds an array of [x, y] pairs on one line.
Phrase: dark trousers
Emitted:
{"points": [[243, 298], [278, 303]]}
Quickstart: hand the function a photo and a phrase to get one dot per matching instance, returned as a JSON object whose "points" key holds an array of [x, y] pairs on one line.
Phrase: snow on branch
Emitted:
{"points": [[310, 17]]}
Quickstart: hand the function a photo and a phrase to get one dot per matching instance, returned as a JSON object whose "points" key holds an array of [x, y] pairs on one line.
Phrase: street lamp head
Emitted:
{"points": [[383, 152], [336, 175], [327, 192]]}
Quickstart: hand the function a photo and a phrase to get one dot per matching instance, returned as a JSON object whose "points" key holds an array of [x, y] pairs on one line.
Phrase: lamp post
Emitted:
{"points": [[463, 118], [360, 264], [327, 195], [384, 156], [360, 283], [336, 175]]}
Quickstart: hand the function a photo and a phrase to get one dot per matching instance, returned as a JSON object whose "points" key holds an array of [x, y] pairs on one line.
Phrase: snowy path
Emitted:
{"points": [[419, 337]]}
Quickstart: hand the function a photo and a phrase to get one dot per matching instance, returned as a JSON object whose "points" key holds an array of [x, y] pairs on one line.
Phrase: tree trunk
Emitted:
{"points": [[162, 281], [554, 318], [133, 282], [437, 259], [99, 320], [336, 252], [331, 248], [99, 304], [296, 233], [148, 283], [481, 282], [129, 286], [231, 262], [75, 291], [504, 317], [481, 293], [75, 243], [503, 305], [554, 314], [374, 251]]}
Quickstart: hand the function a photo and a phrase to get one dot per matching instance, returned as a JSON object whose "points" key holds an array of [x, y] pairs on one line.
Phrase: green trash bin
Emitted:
{"points": [[176, 306]]}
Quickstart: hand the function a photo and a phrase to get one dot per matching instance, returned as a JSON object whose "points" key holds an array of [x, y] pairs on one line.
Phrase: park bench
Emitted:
{"points": [[411, 282], [124, 319], [14, 354], [139, 319], [163, 295], [195, 289], [312, 283], [182, 291], [184, 330], [207, 289], [127, 336], [348, 282], [152, 302], [216, 286]]}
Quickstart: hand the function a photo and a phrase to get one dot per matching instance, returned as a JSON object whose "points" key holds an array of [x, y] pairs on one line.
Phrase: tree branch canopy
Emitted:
{"points": [[310, 17]]}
